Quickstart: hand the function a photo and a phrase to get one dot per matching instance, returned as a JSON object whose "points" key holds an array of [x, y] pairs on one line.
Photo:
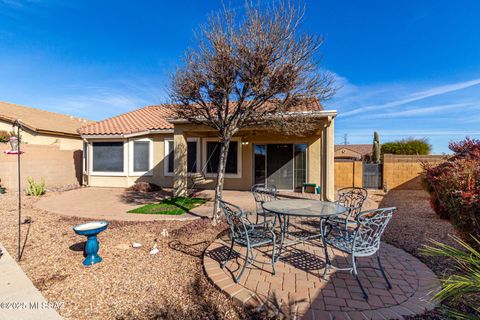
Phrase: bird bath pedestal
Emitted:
{"points": [[90, 230]]}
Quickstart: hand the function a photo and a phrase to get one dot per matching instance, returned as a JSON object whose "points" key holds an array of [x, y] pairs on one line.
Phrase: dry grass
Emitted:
{"points": [[129, 283]]}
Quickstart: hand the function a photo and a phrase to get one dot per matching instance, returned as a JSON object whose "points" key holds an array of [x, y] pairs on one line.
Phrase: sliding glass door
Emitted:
{"points": [[282, 165]]}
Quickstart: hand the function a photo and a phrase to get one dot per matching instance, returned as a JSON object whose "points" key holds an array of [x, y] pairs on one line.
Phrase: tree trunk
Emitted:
{"points": [[225, 144]]}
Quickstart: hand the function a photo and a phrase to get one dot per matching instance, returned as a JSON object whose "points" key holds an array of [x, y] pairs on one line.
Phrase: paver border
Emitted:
{"points": [[419, 302]]}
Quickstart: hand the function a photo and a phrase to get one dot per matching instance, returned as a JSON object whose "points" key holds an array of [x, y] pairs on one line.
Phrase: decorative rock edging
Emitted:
{"points": [[418, 302]]}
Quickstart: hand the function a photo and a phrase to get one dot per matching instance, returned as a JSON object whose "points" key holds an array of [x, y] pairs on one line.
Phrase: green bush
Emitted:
{"points": [[408, 147], [2, 189], [34, 189]]}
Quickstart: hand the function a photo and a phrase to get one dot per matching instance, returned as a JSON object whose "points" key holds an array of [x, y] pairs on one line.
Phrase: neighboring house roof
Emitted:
{"points": [[362, 149], [152, 118], [140, 120], [41, 121]]}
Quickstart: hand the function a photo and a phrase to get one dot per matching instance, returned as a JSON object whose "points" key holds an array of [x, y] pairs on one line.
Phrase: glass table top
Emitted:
{"points": [[304, 207]]}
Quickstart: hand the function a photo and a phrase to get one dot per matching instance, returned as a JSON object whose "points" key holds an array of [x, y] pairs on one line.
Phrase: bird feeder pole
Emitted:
{"points": [[15, 145]]}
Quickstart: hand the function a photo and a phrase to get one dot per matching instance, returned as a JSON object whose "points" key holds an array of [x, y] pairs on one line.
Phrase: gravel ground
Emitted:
{"points": [[413, 225], [129, 283]]}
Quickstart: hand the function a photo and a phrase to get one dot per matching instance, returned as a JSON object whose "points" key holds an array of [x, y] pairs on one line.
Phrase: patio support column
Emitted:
{"points": [[328, 192], [180, 163]]}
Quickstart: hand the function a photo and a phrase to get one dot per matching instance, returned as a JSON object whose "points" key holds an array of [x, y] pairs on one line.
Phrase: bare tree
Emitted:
{"points": [[249, 71]]}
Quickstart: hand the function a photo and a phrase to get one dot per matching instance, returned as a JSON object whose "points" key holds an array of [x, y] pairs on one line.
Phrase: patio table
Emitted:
{"points": [[286, 208]]}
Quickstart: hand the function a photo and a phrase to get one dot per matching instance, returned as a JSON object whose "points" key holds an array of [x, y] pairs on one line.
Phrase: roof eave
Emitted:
{"points": [[320, 114], [125, 135]]}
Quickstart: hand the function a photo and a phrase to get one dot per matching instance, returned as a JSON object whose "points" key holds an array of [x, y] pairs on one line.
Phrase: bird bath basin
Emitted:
{"points": [[90, 230]]}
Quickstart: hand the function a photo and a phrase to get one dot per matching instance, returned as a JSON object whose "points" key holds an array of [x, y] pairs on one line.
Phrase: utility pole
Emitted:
{"points": [[345, 141]]}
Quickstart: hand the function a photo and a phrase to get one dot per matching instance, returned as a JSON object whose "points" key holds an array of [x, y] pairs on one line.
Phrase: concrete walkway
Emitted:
{"points": [[114, 203], [105, 204], [19, 299]]}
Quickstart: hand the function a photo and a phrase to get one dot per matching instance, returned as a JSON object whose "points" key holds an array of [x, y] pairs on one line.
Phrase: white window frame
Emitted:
{"points": [[167, 151], [106, 173], [85, 156], [239, 158], [131, 150]]}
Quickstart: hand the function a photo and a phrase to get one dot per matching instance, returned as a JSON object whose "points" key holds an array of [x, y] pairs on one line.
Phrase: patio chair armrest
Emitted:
{"points": [[247, 215], [268, 224]]}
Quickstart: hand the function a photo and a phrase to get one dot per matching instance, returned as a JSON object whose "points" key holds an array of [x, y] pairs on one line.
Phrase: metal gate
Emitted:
{"points": [[372, 175]]}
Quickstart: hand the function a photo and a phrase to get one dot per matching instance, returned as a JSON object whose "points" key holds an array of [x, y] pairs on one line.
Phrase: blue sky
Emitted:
{"points": [[406, 68]]}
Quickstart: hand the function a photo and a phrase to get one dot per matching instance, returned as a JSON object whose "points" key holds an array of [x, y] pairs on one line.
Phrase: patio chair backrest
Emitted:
{"points": [[236, 219], [262, 194], [353, 199], [371, 225]]}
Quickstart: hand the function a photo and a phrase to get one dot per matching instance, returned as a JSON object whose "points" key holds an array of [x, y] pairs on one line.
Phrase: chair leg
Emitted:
{"points": [[228, 257], [355, 274], [273, 257], [325, 247], [389, 285], [244, 266]]}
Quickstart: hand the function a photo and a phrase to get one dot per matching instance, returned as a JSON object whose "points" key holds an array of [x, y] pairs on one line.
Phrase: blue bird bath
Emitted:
{"points": [[90, 230]]}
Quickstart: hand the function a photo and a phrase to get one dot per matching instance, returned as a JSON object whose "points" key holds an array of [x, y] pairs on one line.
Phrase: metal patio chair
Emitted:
{"points": [[262, 193], [352, 199], [247, 234], [364, 242]]}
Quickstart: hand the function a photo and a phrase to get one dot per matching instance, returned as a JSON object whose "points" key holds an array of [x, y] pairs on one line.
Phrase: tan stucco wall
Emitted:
{"points": [[347, 153], [247, 175], [30, 137], [348, 174]]}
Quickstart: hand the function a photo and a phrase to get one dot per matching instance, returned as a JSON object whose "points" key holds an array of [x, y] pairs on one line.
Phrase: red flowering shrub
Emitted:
{"points": [[455, 186]]}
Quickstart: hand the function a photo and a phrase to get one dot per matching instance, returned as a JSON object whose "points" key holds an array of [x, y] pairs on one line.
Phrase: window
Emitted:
{"points": [[213, 157], [108, 157], [192, 156], [141, 156]]}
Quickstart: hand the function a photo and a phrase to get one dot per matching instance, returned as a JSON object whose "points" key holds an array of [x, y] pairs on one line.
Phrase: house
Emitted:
{"points": [[353, 152], [149, 145], [42, 127]]}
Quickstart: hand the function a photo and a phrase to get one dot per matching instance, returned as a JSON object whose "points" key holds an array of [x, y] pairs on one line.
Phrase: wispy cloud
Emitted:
{"points": [[400, 110], [431, 92], [425, 111]]}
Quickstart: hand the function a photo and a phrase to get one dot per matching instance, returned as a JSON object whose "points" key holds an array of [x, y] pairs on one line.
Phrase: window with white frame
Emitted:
{"points": [[193, 156], [108, 157], [212, 158], [141, 156]]}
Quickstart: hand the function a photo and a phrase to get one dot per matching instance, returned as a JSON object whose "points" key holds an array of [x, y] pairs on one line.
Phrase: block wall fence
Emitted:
{"points": [[399, 171], [59, 167]]}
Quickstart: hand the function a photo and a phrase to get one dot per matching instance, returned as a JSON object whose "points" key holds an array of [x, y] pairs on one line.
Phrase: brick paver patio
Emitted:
{"points": [[299, 281]]}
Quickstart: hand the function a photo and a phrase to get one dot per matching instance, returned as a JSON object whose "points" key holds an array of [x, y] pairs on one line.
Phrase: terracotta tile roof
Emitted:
{"points": [[41, 121], [363, 149], [155, 118], [146, 118]]}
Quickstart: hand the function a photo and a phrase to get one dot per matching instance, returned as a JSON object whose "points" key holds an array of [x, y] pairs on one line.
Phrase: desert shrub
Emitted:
{"points": [[2, 189], [463, 286], [35, 189], [408, 147], [4, 136], [455, 186]]}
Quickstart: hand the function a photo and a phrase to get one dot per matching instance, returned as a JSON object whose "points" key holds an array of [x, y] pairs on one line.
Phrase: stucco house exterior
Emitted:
{"points": [[41, 127], [353, 152], [148, 144]]}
